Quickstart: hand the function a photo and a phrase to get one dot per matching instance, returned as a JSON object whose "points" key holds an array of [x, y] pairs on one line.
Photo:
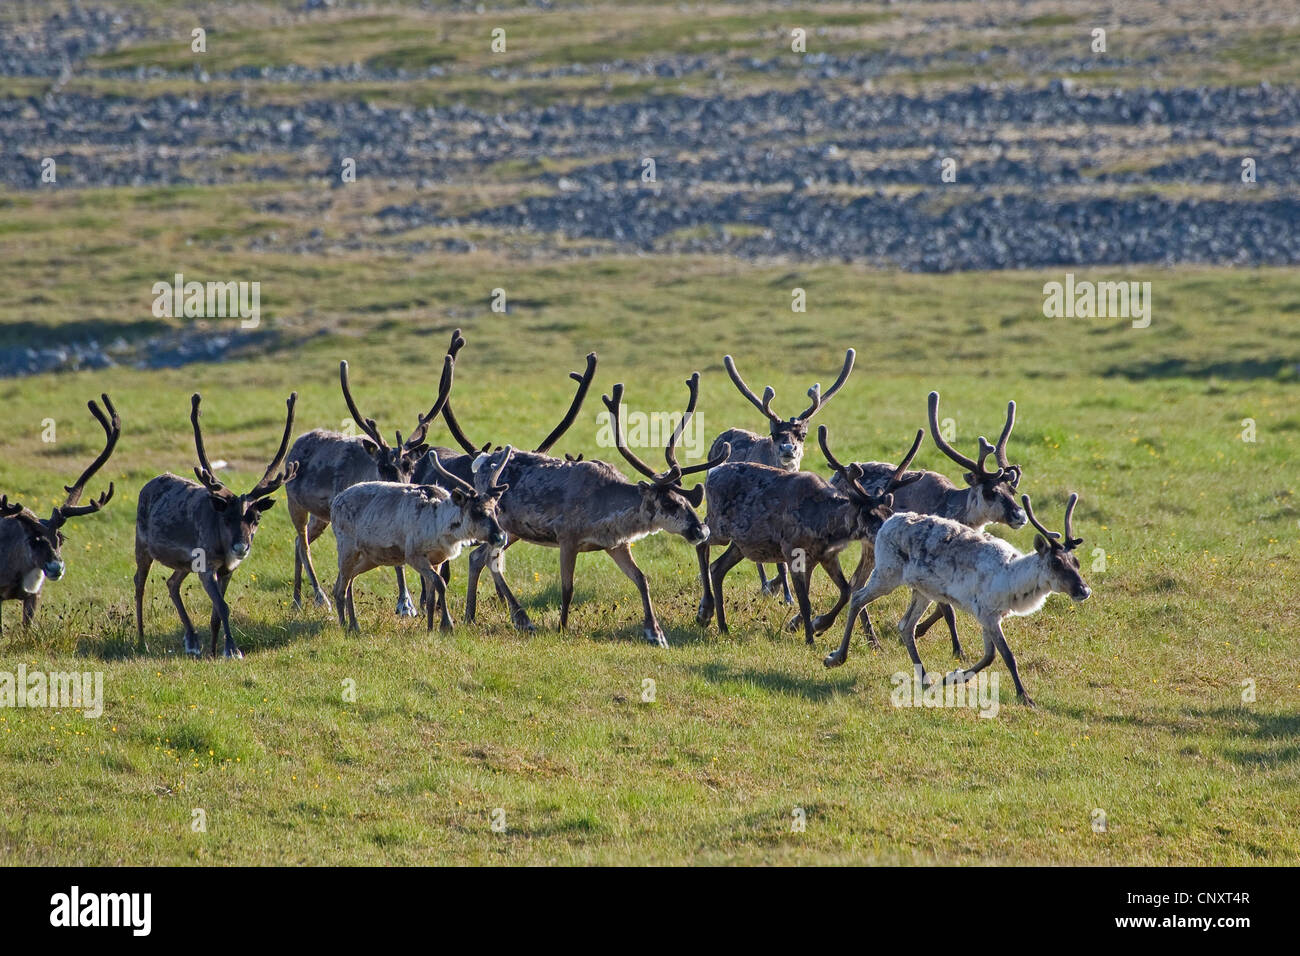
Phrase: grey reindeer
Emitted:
{"points": [[461, 466], [946, 561], [988, 498], [770, 514], [31, 548], [329, 462], [202, 527], [579, 506], [378, 524], [783, 446]]}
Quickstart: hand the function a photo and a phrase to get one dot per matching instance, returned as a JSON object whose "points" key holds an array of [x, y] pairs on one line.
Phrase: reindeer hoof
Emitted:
{"points": [[1028, 701], [821, 622], [235, 653], [321, 601], [405, 608], [834, 659], [527, 626], [704, 614], [794, 623], [655, 635]]}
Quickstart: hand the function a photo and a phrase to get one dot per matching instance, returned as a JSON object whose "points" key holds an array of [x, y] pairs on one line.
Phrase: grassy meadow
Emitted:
{"points": [[1139, 690]]}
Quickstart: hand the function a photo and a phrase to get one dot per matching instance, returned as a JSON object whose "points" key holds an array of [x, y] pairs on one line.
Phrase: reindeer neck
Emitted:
{"points": [[1028, 581]]}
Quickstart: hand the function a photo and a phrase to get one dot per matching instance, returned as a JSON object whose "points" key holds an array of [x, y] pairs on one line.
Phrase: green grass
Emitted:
{"points": [[1139, 689]]}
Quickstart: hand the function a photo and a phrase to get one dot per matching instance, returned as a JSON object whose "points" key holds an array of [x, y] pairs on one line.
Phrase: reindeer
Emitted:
{"points": [[988, 498], [782, 448], [946, 561], [328, 462], [461, 466], [31, 548], [580, 506], [202, 527], [799, 518], [379, 523]]}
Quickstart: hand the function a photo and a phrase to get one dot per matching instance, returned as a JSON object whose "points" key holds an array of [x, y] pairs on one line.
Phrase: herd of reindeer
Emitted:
{"points": [[417, 505]]}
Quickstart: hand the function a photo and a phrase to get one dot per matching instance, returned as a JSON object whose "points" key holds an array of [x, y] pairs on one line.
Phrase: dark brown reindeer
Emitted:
{"points": [[783, 446], [202, 527], [800, 518], [578, 506], [461, 467], [988, 498], [31, 548], [329, 462]]}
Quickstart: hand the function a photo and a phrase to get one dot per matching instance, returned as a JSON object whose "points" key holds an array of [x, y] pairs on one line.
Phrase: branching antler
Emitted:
{"points": [[112, 431], [1070, 542], [268, 485], [975, 468], [764, 404], [9, 509], [446, 478], [852, 474], [204, 470], [367, 425], [818, 399]]}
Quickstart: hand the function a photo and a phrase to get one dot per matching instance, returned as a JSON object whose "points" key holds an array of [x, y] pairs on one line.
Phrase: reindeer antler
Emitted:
{"points": [[9, 509], [584, 383], [1049, 535], [764, 404], [976, 468], [112, 431], [444, 392], [1011, 471], [818, 399], [446, 477], [268, 485], [1071, 542], [367, 425], [204, 471]]}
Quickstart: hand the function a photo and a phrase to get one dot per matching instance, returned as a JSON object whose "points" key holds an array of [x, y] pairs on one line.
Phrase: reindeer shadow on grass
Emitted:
{"points": [[817, 688]]}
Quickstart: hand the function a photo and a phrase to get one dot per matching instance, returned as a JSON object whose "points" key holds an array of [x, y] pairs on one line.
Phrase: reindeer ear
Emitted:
{"points": [[970, 478], [459, 496], [370, 447], [418, 452], [1040, 544], [219, 502], [263, 504], [694, 495]]}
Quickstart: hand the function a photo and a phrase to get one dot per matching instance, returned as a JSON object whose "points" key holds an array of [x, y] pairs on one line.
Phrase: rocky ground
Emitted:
{"points": [[828, 155]]}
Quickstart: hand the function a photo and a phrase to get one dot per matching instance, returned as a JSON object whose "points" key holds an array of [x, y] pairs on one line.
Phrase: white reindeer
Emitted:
{"points": [[944, 561], [387, 524]]}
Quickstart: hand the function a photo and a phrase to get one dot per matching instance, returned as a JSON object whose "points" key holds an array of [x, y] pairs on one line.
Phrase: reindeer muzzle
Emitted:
{"points": [[1082, 593], [54, 570], [700, 536]]}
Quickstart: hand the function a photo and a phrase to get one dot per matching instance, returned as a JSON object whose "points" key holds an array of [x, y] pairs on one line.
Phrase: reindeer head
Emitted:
{"points": [[992, 495], [664, 502], [397, 462], [873, 510], [237, 516], [476, 517], [44, 540], [789, 435], [1058, 555]]}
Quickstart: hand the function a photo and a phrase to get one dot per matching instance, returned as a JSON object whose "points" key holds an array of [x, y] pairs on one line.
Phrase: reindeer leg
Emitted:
{"points": [[1004, 649], [763, 584], [437, 595], [782, 577], [822, 622], [876, 587], [705, 611], [404, 606], [494, 563], [568, 560], [717, 571], [992, 633], [192, 645], [944, 611], [866, 564], [314, 528], [622, 556], [29, 609], [142, 564], [216, 584], [215, 622], [907, 633], [805, 606]]}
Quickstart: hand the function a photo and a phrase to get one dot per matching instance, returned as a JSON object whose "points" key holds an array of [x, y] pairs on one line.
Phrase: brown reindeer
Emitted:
{"points": [[988, 498], [783, 446], [329, 462], [579, 506], [202, 527], [31, 548], [770, 514]]}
